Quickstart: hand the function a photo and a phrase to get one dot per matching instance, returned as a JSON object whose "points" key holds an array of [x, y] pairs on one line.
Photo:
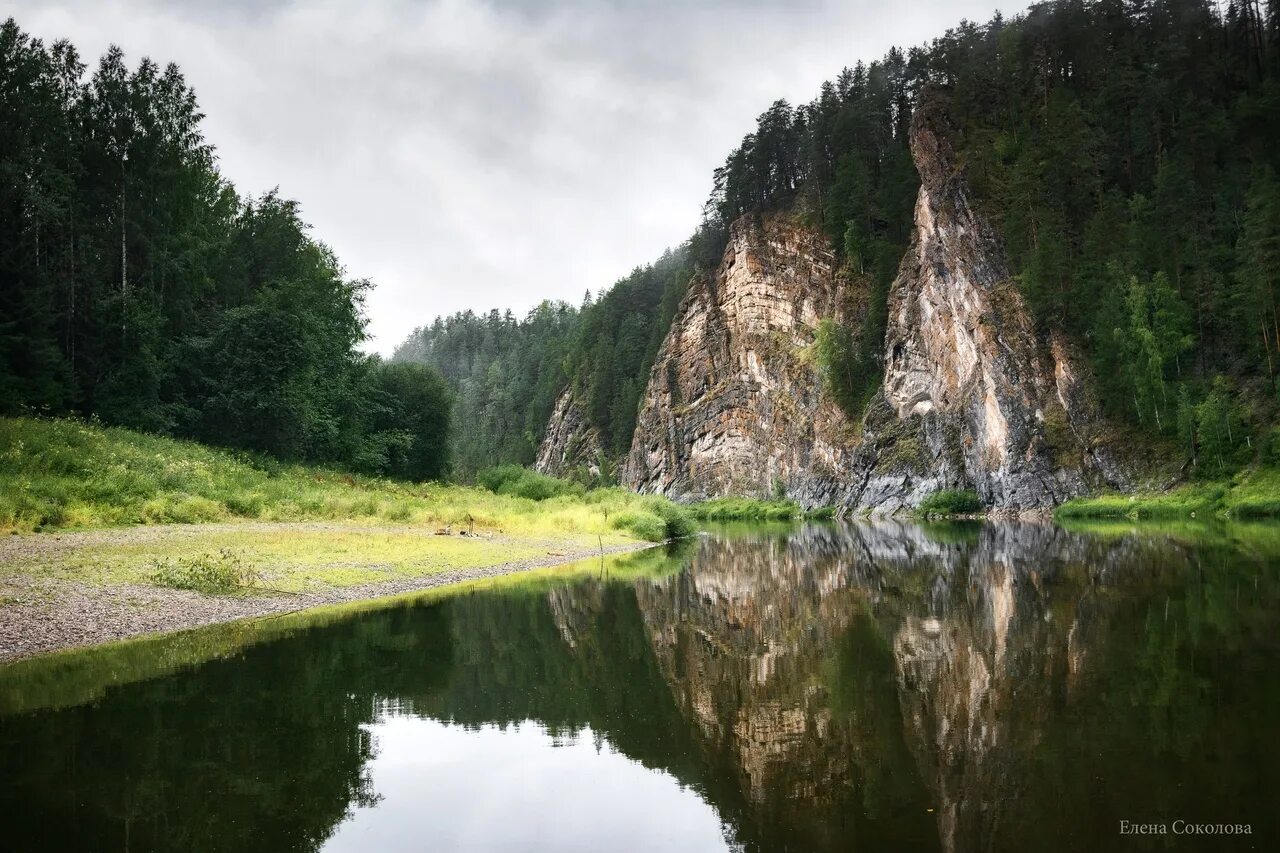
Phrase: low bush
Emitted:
{"points": [[746, 509], [642, 523], [677, 521], [950, 502], [221, 573], [524, 483]]}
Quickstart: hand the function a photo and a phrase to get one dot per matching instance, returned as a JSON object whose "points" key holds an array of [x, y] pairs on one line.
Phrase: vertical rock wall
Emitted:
{"points": [[571, 443], [973, 396], [962, 357], [734, 403]]}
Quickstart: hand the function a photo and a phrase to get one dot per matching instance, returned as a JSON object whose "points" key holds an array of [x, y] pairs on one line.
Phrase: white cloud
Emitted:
{"points": [[464, 154]]}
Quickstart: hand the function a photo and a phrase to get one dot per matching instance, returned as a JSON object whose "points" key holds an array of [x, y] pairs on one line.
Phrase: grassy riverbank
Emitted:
{"points": [[1251, 494], [753, 509], [64, 474]]}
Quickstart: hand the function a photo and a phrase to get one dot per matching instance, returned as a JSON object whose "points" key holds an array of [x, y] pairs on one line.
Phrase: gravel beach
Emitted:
{"points": [[40, 614]]}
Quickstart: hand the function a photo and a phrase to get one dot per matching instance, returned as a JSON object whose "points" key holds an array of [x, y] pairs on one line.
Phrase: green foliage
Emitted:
{"points": [[525, 483], [66, 474], [653, 518], [224, 572], [677, 521], [950, 502], [1253, 494], [507, 373], [746, 509], [837, 358], [137, 286]]}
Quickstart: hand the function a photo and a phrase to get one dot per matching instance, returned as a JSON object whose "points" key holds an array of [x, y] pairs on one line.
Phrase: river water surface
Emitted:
{"points": [[1004, 686]]}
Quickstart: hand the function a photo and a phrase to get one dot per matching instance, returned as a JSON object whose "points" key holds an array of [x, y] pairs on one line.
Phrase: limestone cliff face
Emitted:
{"points": [[996, 409], [973, 397], [734, 404], [571, 442]]}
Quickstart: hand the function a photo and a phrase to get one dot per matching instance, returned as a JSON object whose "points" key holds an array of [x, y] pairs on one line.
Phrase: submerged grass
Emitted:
{"points": [[65, 474]]}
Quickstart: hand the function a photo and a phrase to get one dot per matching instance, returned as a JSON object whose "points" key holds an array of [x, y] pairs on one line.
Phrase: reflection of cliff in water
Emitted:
{"points": [[875, 683]]}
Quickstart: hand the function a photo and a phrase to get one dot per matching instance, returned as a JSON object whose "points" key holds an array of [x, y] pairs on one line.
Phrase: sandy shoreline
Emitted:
{"points": [[40, 615]]}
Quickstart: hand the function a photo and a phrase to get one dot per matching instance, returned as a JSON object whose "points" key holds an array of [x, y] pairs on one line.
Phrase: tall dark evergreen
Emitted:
{"points": [[507, 373], [138, 287]]}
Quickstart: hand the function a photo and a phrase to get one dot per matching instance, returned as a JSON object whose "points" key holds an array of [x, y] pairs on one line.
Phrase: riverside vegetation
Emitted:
{"points": [[63, 474], [287, 528]]}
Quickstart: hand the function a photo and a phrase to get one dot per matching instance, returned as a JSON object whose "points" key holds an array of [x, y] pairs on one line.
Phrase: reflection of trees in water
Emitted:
{"points": [[822, 688], [260, 752]]}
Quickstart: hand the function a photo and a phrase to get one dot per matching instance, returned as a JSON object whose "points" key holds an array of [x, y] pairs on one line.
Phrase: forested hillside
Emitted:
{"points": [[137, 285], [507, 373], [1124, 148]]}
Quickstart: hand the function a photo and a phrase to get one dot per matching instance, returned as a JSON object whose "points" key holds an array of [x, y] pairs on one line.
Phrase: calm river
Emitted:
{"points": [[1002, 686]]}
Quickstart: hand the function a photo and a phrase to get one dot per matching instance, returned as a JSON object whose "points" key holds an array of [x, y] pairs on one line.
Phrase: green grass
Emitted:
{"points": [[524, 483], [950, 502], [224, 572], [1251, 494], [753, 509], [65, 474], [288, 559]]}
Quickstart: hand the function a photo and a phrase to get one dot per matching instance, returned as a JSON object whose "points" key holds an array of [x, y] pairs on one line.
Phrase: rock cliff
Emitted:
{"points": [[734, 403], [571, 443], [996, 409], [973, 396]]}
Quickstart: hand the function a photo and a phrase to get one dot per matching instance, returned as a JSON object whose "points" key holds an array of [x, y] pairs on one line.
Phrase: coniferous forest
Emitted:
{"points": [[137, 286], [1125, 149]]}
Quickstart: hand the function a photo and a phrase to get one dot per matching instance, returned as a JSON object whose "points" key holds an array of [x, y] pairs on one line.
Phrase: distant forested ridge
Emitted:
{"points": [[137, 286], [1126, 149], [507, 373]]}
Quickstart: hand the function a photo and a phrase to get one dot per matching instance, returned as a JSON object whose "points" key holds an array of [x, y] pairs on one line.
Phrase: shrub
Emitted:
{"points": [[644, 524], [494, 478], [523, 483], [746, 509], [223, 572], [677, 521], [656, 519], [950, 502]]}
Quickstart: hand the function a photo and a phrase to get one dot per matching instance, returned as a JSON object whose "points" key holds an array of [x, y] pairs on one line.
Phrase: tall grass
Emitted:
{"points": [[746, 509], [1252, 494], [57, 474]]}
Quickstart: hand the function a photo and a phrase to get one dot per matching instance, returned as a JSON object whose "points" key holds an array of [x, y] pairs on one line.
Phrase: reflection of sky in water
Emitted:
{"points": [[445, 787]]}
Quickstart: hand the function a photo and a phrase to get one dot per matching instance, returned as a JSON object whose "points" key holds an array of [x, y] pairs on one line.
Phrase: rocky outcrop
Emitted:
{"points": [[734, 403], [993, 408], [571, 442], [973, 396]]}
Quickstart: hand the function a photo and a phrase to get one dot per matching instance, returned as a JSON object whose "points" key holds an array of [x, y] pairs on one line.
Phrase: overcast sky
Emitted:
{"points": [[469, 154]]}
